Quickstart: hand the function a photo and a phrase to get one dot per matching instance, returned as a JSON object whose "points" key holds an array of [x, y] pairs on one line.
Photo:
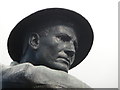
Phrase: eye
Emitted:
{"points": [[64, 37]]}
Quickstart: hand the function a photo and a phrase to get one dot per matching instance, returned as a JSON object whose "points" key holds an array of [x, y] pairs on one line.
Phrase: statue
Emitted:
{"points": [[44, 46]]}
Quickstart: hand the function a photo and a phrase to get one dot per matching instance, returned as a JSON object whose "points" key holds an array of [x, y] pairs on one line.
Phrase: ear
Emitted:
{"points": [[34, 40]]}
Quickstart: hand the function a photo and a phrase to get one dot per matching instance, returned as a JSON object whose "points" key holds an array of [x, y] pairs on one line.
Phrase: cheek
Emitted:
{"points": [[53, 44], [51, 49], [58, 44]]}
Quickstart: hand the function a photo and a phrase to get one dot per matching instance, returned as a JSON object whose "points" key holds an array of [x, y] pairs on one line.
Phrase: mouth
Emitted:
{"points": [[63, 60]]}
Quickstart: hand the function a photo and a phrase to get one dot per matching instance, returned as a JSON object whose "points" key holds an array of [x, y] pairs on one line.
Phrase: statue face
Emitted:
{"points": [[57, 49]]}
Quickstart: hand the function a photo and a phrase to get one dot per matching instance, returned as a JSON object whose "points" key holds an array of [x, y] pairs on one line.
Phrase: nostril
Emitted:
{"points": [[70, 53]]}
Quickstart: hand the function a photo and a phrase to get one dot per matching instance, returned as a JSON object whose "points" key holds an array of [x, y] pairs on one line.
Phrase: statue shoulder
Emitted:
{"points": [[38, 76]]}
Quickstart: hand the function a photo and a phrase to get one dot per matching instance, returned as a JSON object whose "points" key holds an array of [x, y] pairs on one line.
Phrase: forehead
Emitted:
{"points": [[58, 29]]}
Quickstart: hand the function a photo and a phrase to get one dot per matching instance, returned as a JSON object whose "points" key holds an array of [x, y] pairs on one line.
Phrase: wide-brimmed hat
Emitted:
{"points": [[45, 18]]}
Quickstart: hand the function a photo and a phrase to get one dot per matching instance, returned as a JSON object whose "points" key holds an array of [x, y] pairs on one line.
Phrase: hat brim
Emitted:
{"points": [[81, 27]]}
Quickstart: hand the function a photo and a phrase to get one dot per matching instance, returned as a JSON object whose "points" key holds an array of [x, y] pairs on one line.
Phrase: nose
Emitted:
{"points": [[69, 53], [70, 49]]}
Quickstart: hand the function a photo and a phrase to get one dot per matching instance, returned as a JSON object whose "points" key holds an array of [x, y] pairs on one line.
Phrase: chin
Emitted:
{"points": [[65, 70], [62, 68], [58, 66]]}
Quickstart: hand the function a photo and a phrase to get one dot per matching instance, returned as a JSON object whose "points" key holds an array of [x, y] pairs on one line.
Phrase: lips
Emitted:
{"points": [[63, 60]]}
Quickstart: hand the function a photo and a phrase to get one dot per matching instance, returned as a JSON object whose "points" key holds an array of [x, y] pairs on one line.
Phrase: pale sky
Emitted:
{"points": [[100, 68]]}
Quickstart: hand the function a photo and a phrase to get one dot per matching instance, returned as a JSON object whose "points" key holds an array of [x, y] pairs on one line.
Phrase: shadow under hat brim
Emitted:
{"points": [[41, 19]]}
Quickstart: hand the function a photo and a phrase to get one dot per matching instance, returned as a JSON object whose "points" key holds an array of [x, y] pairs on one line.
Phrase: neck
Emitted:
{"points": [[29, 57]]}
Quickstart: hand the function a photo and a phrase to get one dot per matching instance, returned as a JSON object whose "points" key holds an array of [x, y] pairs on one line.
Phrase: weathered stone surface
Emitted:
{"points": [[28, 76]]}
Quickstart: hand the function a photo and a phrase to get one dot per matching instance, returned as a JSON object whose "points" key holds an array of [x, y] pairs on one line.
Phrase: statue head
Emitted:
{"points": [[57, 38]]}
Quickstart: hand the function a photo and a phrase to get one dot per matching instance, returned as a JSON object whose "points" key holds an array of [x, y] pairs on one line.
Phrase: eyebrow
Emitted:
{"points": [[64, 34]]}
